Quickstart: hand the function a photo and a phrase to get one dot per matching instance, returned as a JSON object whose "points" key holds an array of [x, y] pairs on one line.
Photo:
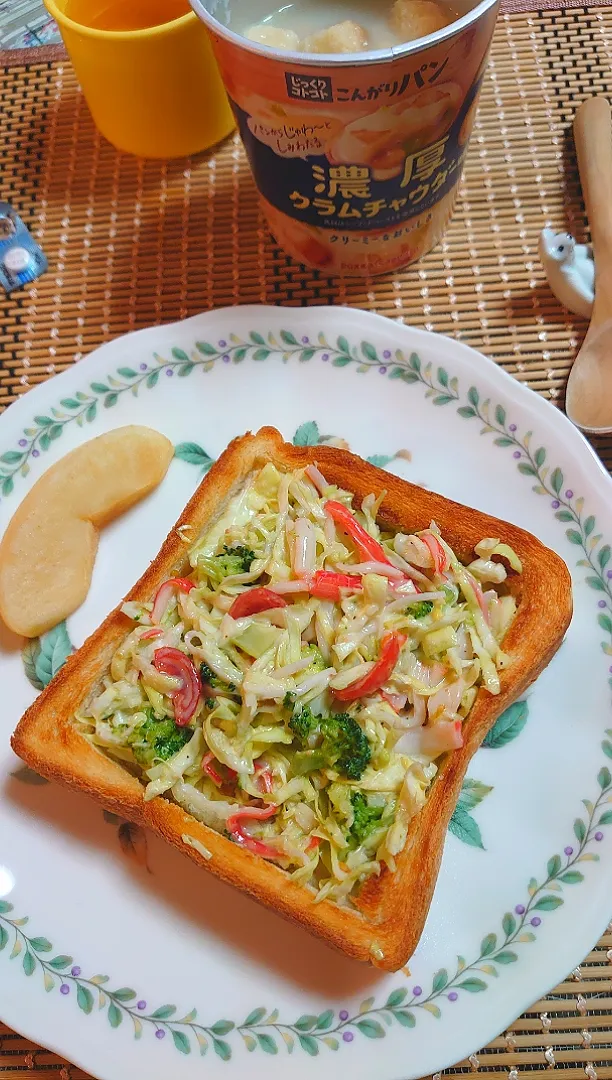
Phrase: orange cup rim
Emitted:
{"points": [[120, 35]]}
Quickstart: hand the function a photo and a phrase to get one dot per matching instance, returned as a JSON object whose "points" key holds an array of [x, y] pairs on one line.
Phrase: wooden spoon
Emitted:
{"points": [[588, 400]]}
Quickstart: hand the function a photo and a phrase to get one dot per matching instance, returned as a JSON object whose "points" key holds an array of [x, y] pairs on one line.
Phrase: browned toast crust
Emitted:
{"points": [[393, 907]]}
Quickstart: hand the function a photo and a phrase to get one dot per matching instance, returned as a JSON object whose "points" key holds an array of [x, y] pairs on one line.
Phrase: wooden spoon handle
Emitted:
{"points": [[593, 138]]}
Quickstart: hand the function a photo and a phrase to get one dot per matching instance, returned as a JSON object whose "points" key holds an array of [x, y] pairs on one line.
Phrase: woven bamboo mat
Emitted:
{"points": [[133, 243]]}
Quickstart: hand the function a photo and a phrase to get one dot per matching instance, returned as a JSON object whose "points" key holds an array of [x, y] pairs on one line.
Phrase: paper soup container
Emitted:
{"points": [[357, 158]]}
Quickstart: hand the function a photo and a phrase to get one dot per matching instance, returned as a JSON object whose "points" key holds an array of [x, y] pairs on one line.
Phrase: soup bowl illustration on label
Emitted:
{"points": [[357, 158]]}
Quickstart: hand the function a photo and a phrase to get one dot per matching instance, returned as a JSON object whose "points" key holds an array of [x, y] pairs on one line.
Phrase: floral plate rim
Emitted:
{"points": [[290, 317]]}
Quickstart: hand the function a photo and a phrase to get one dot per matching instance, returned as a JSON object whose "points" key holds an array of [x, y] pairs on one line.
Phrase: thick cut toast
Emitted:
{"points": [[391, 909]]}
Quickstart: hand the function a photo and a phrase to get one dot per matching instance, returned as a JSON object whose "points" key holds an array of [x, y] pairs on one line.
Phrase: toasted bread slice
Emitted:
{"points": [[391, 909]]}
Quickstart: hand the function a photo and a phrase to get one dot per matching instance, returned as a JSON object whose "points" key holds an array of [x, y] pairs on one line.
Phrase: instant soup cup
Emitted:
{"points": [[357, 158]]}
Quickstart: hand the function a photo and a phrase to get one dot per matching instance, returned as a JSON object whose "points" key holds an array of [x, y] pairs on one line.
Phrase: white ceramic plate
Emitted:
{"points": [[122, 956]]}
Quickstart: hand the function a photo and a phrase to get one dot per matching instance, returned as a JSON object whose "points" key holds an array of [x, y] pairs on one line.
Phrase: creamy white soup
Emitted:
{"points": [[349, 26]]}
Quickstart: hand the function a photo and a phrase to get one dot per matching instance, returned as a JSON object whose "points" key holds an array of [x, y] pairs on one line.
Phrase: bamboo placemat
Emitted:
{"points": [[132, 243]]}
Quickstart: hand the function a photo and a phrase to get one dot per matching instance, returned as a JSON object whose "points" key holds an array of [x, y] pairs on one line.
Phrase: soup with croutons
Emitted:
{"points": [[349, 26]]}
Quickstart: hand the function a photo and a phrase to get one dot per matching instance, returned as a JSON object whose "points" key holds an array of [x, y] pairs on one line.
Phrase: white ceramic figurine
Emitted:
{"points": [[570, 270]]}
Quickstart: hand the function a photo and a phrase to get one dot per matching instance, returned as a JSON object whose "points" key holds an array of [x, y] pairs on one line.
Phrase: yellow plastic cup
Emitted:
{"points": [[156, 92]]}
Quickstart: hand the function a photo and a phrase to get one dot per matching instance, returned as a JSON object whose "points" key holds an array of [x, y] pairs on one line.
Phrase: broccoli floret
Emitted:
{"points": [[229, 561], [420, 610], [288, 700], [336, 741], [158, 740], [208, 678], [366, 818], [346, 745], [237, 555], [304, 724]]}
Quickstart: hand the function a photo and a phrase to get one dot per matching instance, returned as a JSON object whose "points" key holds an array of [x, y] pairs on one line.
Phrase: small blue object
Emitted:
{"points": [[21, 259]]}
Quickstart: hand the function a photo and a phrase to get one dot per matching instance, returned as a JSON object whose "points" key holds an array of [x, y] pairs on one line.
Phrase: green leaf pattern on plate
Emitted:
{"points": [[567, 507], [44, 656], [462, 824], [194, 454], [82, 407], [263, 1030], [507, 726]]}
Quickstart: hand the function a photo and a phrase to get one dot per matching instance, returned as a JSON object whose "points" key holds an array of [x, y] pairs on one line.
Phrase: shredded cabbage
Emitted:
{"points": [[197, 845], [306, 744]]}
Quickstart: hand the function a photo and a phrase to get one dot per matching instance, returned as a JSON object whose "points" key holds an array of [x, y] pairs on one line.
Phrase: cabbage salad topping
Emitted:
{"points": [[296, 690]]}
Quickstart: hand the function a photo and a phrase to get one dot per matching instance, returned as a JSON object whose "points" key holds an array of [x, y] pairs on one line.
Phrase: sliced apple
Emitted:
{"points": [[48, 551]]}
